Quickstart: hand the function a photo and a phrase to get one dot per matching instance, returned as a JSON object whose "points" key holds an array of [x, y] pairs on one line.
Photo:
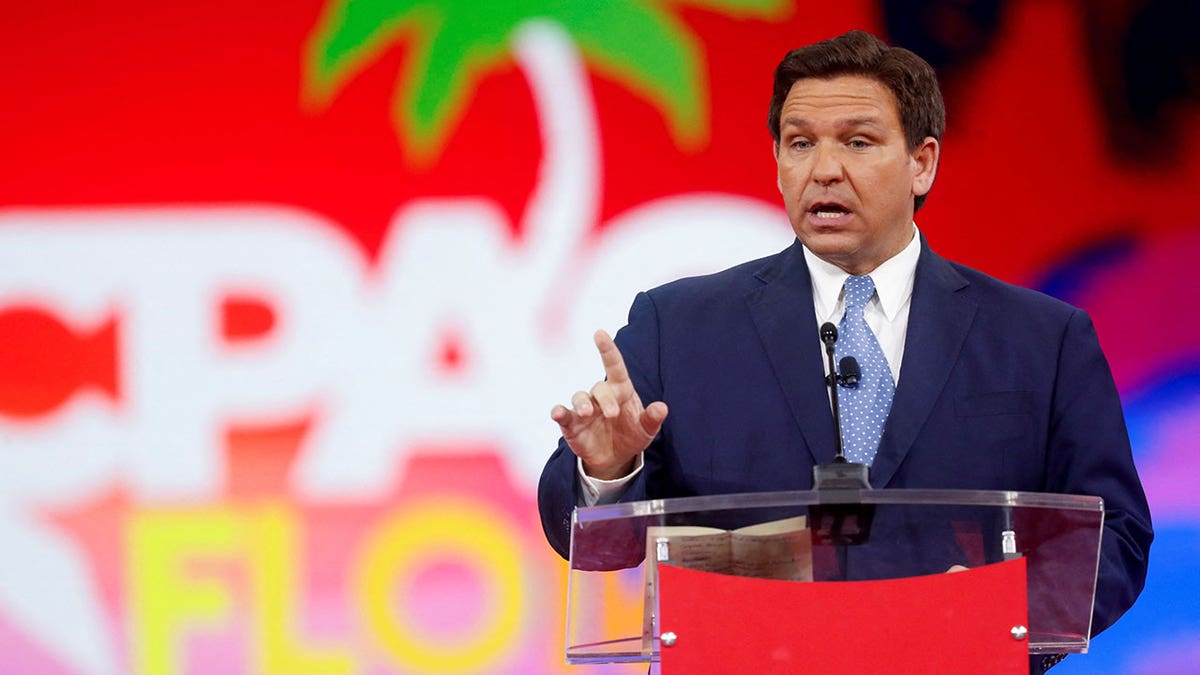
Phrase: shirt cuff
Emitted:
{"points": [[596, 491]]}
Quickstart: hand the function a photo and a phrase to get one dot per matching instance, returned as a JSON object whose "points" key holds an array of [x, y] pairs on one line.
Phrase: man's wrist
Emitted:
{"points": [[594, 491], [612, 473]]}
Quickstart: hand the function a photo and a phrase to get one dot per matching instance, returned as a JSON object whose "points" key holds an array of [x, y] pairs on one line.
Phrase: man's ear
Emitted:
{"points": [[924, 163]]}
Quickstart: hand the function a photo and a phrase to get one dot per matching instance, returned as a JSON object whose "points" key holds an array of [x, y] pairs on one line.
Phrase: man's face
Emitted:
{"points": [[845, 172]]}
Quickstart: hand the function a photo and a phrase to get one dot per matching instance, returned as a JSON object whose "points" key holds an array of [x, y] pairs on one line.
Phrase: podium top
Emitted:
{"points": [[828, 535], [984, 498]]}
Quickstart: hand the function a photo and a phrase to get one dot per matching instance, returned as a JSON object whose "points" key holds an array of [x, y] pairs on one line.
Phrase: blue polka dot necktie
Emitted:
{"points": [[864, 407]]}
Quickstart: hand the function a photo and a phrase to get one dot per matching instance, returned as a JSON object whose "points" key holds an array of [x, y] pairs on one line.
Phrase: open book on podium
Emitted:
{"points": [[838, 581]]}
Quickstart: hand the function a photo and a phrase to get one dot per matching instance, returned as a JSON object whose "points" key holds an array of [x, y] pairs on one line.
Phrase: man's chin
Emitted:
{"points": [[826, 245], [841, 253]]}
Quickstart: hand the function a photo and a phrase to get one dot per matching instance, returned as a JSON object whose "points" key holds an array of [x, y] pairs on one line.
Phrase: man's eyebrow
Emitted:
{"points": [[861, 122], [850, 123]]}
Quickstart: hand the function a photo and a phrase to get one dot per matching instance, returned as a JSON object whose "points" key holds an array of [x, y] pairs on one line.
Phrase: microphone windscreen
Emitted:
{"points": [[828, 333], [848, 370]]}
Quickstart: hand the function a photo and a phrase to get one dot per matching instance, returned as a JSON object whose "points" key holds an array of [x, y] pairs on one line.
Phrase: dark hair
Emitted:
{"points": [[910, 79]]}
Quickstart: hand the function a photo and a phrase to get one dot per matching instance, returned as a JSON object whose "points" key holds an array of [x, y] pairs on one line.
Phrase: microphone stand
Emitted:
{"points": [[840, 518], [838, 474]]}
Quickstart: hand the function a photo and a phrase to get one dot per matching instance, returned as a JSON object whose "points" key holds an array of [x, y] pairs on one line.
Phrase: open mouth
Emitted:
{"points": [[828, 210]]}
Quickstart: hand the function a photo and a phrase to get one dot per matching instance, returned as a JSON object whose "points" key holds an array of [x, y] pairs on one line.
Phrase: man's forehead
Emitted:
{"points": [[847, 99], [863, 85]]}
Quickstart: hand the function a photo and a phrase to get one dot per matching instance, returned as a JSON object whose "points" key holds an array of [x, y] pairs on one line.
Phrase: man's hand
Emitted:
{"points": [[608, 427]]}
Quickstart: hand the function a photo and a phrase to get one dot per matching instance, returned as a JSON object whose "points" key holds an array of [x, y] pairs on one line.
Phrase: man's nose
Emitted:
{"points": [[827, 167]]}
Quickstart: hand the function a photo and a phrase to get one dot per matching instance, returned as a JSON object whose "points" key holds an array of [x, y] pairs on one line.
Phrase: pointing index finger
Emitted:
{"points": [[614, 364]]}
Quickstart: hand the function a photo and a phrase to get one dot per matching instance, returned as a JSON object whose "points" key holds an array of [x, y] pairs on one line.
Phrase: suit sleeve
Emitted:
{"points": [[1089, 454], [559, 489]]}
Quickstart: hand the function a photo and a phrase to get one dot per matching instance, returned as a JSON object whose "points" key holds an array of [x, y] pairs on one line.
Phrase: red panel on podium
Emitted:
{"points": [[954, 623]]}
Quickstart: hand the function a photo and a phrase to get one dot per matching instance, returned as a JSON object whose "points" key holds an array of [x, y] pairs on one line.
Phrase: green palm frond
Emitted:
{"points": [[453, 44]]}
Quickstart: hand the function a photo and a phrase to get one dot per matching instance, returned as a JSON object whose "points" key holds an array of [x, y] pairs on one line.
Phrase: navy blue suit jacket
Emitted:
{"points": [[1002, 388]]}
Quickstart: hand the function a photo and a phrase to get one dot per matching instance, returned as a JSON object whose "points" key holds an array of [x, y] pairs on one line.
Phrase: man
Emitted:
{"points": [[716, 385]]}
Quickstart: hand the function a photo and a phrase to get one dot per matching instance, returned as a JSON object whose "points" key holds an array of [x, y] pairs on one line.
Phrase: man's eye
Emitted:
{"points": [[859, 144], [801, 144]]}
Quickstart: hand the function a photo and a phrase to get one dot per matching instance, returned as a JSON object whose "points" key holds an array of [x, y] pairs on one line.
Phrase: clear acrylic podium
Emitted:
{"points": [[618, 554]]}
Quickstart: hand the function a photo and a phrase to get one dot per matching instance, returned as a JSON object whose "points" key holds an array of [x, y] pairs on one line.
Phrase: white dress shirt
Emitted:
{"points": [[886, 314]]}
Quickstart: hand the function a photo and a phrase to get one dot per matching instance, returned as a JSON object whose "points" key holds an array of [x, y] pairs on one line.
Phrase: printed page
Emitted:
{"points": [[780, 549]]}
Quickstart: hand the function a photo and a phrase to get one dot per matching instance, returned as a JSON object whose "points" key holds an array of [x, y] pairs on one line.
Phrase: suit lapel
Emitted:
{"points": [[938, 321], [782, 310]]}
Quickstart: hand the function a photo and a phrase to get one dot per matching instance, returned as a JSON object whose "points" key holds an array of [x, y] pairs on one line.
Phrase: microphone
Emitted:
{"points": [[829, 336], [848, 372]]}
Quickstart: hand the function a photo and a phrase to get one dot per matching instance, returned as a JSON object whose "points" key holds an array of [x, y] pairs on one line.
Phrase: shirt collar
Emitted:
{"points": [[893, 280]]}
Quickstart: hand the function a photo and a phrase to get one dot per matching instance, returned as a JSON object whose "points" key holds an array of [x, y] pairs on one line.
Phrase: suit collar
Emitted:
{"points": [[938, 323], [782, 310]]}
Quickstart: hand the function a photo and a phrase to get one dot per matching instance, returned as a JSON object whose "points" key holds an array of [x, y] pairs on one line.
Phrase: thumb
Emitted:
{"points": [[652, 417]]}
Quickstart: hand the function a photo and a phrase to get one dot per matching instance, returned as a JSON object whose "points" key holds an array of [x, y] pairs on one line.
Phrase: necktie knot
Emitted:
{"points": [[858, 291]]}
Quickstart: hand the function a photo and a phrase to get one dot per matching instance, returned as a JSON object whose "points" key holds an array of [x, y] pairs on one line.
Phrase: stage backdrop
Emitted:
{"points": [[287, 290]]}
